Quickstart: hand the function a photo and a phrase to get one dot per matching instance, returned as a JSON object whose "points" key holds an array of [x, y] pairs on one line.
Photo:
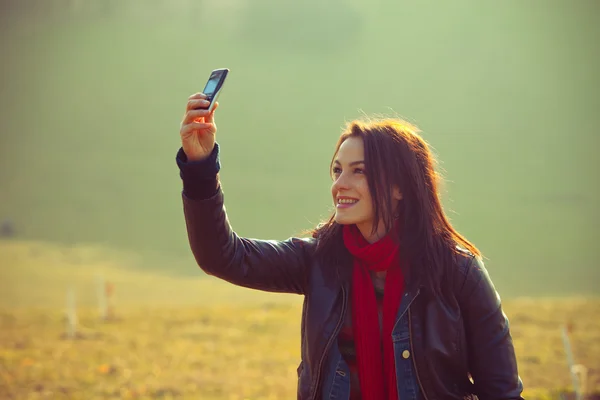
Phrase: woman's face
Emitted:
{"points": [[350, 190]]}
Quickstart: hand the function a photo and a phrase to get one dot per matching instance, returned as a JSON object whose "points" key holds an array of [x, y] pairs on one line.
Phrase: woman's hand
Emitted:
{"points": [[198, 128]]}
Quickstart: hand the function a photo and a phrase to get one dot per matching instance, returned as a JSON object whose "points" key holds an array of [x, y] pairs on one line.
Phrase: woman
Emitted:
{"points": [[397, 304]]}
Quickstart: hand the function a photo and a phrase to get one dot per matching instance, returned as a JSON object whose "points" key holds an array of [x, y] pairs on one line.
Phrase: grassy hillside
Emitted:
{"points": [[37, 274], [200, 338]]}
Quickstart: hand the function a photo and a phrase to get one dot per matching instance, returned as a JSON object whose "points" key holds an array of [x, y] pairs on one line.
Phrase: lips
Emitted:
{"points": [[345, 202]]}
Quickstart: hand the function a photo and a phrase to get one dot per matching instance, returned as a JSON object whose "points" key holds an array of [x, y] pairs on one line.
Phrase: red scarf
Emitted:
{"points": [[376, 366]]}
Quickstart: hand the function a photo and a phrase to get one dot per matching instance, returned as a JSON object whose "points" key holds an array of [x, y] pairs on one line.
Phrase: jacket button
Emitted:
{"points": [[405, 354]]}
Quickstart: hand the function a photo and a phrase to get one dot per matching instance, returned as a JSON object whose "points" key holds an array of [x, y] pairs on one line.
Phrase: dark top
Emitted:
{"points": [[464, 335], [200, 179]]}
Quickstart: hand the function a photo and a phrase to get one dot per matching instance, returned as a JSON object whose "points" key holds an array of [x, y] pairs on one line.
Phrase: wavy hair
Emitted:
{"points": [[395, 154]]}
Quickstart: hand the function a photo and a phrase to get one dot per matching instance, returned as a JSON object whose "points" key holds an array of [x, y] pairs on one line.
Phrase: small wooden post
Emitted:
{"points": [[109, 290], [571, 362], [71, 314]]}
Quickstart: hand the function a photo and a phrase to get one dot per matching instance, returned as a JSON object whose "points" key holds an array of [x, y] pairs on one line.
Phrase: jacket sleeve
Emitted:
{"points": [[491, 354], [268, 265]]}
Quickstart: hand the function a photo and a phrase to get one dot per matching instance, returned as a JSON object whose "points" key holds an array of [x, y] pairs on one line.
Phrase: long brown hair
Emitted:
{"points": [[395, 154]]}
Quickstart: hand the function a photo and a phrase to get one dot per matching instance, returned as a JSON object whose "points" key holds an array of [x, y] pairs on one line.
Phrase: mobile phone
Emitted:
{"points": [[214, 85]]}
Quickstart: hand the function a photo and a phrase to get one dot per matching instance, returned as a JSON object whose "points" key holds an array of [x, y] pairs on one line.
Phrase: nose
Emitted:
{"points": [[340, 184]]}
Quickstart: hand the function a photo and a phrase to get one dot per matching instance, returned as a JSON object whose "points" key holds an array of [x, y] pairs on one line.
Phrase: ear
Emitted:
{"points": [[396, 193]]}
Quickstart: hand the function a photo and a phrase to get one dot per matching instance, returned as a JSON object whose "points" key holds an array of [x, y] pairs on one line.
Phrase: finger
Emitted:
{"points": [[198, 95], [211, 117], [191, 115], [197, 104], [194, 127]]}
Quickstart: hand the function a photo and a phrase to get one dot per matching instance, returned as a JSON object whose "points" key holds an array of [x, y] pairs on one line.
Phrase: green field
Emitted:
{"points": [[199, 338]]}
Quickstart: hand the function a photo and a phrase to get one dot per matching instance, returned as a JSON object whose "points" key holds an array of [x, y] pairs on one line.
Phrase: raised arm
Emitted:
{"points": [[492, 360], [277, 266]]}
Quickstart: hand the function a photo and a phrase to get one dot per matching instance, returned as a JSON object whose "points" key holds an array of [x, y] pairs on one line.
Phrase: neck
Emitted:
{"points": [[366, 229]]}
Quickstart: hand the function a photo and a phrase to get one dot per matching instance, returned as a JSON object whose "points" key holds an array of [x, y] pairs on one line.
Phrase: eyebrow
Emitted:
{"points": [[353, 163]]}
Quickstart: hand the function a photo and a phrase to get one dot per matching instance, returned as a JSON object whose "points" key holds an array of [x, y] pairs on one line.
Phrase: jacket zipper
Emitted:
{"points": [[414, 359], [333, 335]]}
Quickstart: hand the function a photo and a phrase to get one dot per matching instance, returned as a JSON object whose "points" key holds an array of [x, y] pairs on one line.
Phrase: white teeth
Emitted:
{"points": [[346, 201]]}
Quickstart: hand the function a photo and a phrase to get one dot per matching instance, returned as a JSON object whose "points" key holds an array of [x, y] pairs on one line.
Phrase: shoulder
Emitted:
{"points": [[464, 260], [295, 244], [307, 244], [470, 273]]}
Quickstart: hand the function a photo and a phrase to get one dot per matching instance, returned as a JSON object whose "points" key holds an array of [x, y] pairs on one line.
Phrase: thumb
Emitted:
{"points": [[210, 118]]}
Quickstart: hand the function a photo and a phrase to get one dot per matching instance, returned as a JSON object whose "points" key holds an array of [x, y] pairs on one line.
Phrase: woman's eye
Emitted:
{"points": [[336, 170], [359, 171]]}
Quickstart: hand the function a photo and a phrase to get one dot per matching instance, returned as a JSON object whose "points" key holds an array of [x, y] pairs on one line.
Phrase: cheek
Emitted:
{"points": [[363, 189], [366, 200]]}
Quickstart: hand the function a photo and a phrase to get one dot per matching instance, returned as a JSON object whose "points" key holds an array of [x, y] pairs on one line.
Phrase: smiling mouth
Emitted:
{"points": [[345, 203]]}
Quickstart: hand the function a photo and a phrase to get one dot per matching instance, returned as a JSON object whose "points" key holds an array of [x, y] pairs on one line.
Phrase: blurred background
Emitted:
{"points": [[506, 93]]}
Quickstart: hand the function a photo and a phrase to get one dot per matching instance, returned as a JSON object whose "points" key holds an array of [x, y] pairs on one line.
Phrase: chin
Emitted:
{"points": [[344, 220]]}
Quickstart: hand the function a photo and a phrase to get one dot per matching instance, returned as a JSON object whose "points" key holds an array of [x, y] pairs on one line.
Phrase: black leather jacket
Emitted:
{"points": [[451, 341]]}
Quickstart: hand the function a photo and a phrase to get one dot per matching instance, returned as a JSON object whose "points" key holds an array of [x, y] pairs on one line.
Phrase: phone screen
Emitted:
{"points": [[212, 83]]}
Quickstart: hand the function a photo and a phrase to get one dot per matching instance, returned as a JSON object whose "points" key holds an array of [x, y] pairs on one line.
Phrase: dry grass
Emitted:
{"points": [[202, 339]]}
